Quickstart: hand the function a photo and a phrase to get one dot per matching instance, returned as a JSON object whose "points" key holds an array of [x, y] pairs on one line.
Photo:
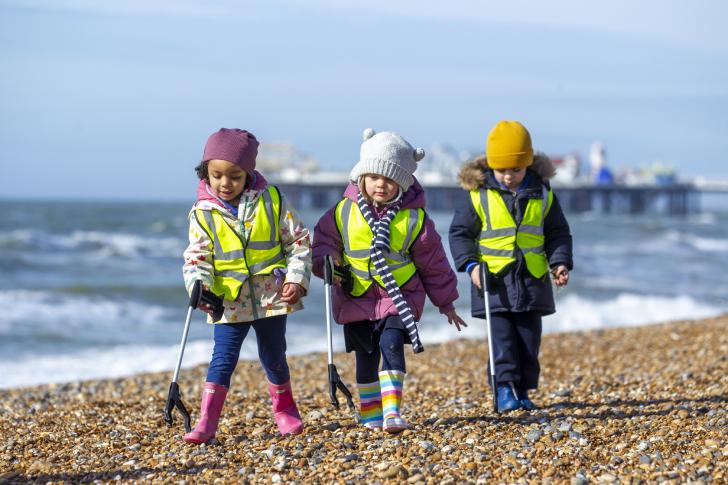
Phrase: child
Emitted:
{"points": [[381, 231], [511, 220], [248, 246]]}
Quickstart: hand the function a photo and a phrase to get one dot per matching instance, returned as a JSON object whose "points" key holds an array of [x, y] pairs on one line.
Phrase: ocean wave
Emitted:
{"points": [[670, 242], [74, 315], [126, 360], [306, 331], [118, 361], [626, 309], [575, 313], [96, 243]]}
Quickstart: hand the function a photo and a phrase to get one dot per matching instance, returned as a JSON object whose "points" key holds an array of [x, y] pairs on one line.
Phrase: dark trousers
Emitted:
{"points": [[516, 343], [389, 349], [271, 335]]}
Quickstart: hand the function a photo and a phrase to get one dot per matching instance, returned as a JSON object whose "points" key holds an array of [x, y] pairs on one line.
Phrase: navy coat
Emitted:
{"points": [[515, 290]]}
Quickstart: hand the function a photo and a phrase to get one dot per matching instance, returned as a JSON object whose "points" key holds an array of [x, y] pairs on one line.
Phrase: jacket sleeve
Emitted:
{"points": [[464, 233], [198, 256], [296, 243], [326, 241], [434, 269], [557, 237]]}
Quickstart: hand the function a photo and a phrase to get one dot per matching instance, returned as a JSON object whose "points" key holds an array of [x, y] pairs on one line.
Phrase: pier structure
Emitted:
{"points": [[675, 199]]}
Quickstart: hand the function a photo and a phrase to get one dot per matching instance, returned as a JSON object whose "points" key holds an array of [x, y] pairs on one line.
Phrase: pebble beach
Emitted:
{"points": [[622, 405]]}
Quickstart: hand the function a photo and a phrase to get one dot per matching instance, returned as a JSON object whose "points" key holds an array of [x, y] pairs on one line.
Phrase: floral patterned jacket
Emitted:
{"points": [[260, 294]]}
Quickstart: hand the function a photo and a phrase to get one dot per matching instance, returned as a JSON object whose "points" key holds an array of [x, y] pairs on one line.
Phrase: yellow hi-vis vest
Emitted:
{"points": [[236, 260], [357, 236], [500, 236]]}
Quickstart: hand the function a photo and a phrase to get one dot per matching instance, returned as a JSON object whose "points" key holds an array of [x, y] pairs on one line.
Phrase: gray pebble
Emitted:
{"points": [[427, 445]]}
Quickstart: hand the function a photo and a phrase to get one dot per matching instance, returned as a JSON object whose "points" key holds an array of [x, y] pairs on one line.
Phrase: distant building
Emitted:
{"points": [[568, 169], [283, 161]]}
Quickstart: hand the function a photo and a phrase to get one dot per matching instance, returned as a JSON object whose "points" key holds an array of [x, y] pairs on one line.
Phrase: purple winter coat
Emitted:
{"points": [[434, 275]]}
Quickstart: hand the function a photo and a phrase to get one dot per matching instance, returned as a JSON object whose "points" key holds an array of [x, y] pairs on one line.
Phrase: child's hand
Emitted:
{"points": [[291, 293], [453, 317], [204, 306], [475, 275], [560, 275]]}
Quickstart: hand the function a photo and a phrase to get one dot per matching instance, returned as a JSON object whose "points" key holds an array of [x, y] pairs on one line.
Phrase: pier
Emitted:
{"points": [[675, 199]]}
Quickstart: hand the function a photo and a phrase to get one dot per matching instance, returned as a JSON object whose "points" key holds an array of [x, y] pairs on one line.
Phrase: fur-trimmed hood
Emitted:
{"points": [[472, 174]]}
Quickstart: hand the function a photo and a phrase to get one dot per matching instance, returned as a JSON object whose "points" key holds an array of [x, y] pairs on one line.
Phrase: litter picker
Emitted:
{"points": [[174, 398], [491, 357], [334, 379]]}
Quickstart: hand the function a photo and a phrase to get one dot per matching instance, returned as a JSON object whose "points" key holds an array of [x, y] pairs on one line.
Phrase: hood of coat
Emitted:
{"points": [[205, 194], [414, 198], [473, 174]]}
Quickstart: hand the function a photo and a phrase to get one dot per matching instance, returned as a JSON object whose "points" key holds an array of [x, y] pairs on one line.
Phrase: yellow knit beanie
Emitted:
{"points": [[509, 146]]}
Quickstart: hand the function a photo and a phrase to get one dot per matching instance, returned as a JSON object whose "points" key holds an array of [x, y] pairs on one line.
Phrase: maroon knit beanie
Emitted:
{"points": [[233, 145]]}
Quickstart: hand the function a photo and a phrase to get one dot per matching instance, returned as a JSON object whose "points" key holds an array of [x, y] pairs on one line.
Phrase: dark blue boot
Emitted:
{"points": [[526, 403], [507, 398]]}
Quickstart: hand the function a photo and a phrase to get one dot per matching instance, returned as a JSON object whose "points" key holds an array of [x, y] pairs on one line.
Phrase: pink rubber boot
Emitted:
{"points": [[284, 409], [213, 397]]}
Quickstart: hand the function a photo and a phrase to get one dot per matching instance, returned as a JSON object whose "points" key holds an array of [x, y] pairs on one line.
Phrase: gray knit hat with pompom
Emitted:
{"points": [[387, 154]]}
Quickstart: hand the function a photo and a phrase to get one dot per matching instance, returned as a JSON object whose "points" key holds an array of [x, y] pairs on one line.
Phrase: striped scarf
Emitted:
{"points": [[380, 243]]}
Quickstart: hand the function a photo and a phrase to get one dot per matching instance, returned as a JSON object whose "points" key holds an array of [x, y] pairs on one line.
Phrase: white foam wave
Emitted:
{"points": [[26, 311], [708, 244], [670, 242], [126, 360], [574, 313], [627, 309], [118, 361], [96, 243]]}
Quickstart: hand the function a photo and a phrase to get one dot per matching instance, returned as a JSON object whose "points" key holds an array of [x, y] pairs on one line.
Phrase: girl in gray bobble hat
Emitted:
{"points": [[380, 236]]}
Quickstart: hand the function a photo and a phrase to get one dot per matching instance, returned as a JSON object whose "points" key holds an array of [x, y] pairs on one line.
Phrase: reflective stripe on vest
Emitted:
{"points": [[357, 236], [500, 236], [234, 260]]}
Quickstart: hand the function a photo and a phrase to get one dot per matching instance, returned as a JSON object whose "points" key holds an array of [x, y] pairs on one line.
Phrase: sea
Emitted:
{"points": [[94, 289]]}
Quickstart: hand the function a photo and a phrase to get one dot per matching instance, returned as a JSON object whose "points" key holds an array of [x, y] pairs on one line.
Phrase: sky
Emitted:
{"points": [[115, 99]]}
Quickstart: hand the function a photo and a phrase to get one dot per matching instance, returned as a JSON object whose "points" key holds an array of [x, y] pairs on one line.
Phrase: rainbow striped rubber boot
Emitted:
{"points": [[370, 397], [391, 382]]}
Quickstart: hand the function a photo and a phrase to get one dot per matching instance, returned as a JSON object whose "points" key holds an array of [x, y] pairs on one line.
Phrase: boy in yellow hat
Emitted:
{"points": [[510, 219]]}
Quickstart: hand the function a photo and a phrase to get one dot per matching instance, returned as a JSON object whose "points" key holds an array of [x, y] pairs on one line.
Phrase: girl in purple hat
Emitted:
{"points": [[248, 246]]}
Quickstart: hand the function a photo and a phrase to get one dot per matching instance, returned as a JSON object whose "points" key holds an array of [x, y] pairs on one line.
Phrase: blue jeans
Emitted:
{"points": [[271, 335]]}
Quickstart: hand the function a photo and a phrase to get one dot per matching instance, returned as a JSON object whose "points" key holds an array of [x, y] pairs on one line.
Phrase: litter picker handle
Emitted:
{"points": [[328, 270], [484, 277], [196, 294], [201, 295]]}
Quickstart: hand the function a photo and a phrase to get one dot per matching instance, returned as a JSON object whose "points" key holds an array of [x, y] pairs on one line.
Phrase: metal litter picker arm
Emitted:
{"points": [[174, 398], [491, 357], [335, 381]]}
